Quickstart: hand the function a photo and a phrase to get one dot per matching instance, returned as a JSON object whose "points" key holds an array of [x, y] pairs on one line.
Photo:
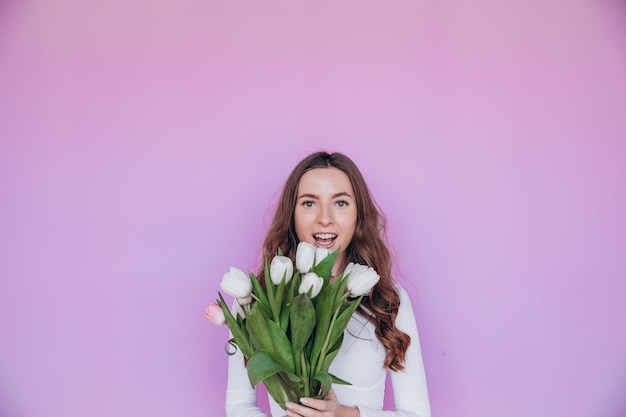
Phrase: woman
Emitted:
{"points": [[325, 201]]}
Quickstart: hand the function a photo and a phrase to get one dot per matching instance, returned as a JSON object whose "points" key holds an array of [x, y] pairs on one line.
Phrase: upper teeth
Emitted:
{"points": [[325, 236]]}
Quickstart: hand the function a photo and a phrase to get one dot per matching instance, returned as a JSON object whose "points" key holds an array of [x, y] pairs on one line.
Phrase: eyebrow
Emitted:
{"points": [[341, 194]]}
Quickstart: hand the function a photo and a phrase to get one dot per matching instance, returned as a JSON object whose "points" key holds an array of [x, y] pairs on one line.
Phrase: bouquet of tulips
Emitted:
{"points": [[292, 327]]}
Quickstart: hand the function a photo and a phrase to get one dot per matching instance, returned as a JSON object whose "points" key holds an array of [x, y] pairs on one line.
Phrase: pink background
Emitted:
{"points": [[143, 144]]}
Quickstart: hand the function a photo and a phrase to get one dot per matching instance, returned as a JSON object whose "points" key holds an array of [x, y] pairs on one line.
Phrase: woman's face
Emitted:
{"points": [[325, 213]]}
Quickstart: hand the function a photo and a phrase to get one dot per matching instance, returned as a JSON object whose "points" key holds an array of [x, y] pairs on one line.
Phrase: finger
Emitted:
{"points": [[296, 410], [307, 407], [320, 405]]}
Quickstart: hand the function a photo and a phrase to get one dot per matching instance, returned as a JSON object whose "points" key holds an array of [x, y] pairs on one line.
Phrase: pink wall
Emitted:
{"points": [[142, 144]]}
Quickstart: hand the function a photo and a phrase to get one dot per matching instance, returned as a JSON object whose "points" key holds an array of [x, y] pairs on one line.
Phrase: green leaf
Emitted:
{"points": [[324, 268], [323, 314], [284, 319], [339, 380], [321, 384], [269, 287], [231, 342], [330, 289], [259, 292], [281, 346], [270, 337], [290, 290], [256, 324], [240, 320], [295, 284], [262, 365], [325, 306], [342, 320], [302, 319], [340, 293], [236, 328], [294, 378], [332, 353], [281, 384], [281, 391], [280, 294]]}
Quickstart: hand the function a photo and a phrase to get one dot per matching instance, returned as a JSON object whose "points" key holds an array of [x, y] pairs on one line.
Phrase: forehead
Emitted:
{"points": [[321, 180]]}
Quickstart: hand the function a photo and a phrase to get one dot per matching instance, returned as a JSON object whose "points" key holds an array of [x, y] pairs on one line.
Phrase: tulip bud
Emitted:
{"points": [[236, 283], [311, 282], [214, 313], [321, 253], [360, 278], [305, 254], [281, 266]]}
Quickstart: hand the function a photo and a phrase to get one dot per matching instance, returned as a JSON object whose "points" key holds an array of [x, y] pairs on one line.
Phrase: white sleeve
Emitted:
{"points": [[241, 398], [409, 385]]}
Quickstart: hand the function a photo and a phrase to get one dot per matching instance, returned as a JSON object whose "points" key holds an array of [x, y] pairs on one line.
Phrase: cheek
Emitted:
{"points": [[349, 221], [300, 224], [349, 226]]}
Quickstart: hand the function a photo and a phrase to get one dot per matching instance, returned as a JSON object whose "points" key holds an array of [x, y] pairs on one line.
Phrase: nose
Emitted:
{"points": [[325, 215]]}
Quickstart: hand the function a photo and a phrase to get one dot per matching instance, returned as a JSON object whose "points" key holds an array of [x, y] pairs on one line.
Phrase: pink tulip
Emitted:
{"points": [[214, 313]]}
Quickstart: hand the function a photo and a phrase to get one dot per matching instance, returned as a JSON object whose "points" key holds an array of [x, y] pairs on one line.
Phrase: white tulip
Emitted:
{"points": [[321, 253], [361, 279], [244, 301], [305, 254], [311, 282], [281, 266], [236, 283]]}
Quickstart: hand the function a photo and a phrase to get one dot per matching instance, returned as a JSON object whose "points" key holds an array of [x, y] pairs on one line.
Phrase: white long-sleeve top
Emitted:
{"points": [[360, 361]]}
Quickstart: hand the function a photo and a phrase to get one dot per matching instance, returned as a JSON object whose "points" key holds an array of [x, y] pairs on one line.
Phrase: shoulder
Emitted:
{"points": [[403, 294], [406, 316]]}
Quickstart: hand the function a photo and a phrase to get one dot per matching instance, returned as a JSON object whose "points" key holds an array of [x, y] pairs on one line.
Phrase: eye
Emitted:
{"points": [[342, 203], [307, 203]]}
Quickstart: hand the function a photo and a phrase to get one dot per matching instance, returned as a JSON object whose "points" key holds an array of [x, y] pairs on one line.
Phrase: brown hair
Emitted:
{"points": [[368, 247]]}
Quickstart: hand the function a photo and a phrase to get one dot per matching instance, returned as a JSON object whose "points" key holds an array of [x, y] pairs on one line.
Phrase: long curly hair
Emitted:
{"points": [[368, 247]]}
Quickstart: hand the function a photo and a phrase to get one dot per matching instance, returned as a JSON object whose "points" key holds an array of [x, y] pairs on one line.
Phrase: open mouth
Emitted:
{"points": [[324, 240]]}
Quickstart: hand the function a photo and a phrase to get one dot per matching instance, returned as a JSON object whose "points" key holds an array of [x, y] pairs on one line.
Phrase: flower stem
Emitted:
{"points": [[305, 376]]}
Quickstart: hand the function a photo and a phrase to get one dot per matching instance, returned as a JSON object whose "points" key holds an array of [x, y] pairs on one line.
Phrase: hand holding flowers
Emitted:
{"points": [[292, 327]]}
